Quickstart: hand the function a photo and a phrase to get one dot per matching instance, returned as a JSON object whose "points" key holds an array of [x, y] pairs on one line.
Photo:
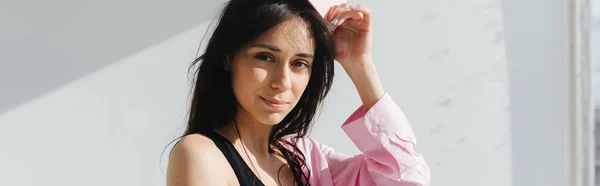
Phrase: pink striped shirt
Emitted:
{"points": [[386, 142]]}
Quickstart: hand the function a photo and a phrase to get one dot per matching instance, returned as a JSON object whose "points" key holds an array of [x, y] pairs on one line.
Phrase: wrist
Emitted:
{"points": [[360, 68], [367, 83]]}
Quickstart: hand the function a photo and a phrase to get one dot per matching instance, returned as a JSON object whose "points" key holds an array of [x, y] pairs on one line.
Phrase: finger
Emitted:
{"points": [[349, 15], [367, 13], [329, 15], [336, 10]]}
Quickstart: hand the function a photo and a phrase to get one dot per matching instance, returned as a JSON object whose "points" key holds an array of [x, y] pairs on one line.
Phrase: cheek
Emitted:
{"points": [[246, 80], [300, 84]]}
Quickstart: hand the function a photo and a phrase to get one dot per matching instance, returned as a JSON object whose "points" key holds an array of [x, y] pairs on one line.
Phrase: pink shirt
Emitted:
{"points": [[387, 143]]}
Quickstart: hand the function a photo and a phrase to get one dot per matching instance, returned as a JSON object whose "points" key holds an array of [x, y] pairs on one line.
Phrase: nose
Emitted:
{"points": [[281, 78]]}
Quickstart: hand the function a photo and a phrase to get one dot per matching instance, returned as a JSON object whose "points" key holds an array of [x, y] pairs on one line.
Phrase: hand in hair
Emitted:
{"points": [[352, 35]]}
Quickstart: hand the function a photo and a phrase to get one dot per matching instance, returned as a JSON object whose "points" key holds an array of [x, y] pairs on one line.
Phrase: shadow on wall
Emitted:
{"points": [[53, 43]]}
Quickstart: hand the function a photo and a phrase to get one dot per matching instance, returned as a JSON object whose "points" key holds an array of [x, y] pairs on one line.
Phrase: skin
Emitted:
{"points": [[275, 68]]}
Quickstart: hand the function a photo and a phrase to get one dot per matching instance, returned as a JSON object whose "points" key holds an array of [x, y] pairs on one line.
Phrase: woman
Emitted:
{"points": [[266, 69]]}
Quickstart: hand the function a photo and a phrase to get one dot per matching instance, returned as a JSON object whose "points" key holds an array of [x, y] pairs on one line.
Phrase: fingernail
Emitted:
{"points": [[335, 21]]}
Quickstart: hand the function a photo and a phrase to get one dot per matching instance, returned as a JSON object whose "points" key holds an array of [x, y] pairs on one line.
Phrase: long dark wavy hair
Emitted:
{"points": [[213, 104]]}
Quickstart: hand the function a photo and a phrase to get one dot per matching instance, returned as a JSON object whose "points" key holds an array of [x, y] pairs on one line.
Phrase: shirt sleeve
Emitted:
{"points": [[386, 142]]}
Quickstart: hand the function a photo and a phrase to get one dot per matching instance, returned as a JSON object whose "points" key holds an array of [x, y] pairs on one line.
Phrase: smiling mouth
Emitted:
{"points": [[274, 103]]}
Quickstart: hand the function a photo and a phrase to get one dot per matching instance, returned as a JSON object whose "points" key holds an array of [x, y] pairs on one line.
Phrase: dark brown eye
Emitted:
{"points": [[264, 57], [301, 64]]}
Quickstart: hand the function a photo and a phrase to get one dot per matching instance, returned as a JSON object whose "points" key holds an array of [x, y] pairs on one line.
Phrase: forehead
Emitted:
{"points": [[292, 35]]}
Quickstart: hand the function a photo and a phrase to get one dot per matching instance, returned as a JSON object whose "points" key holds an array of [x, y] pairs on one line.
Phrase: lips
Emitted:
{"points": [[274, 102]]}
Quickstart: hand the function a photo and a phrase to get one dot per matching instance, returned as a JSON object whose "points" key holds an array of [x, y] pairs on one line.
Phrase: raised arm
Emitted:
{"points": [[378, 128]]}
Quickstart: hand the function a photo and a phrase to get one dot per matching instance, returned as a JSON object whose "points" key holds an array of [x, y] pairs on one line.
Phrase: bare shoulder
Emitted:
{"points": [[196, 160]]}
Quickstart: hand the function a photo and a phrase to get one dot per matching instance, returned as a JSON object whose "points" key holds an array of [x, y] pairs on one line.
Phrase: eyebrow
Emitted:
{"points": [[274, 48]]}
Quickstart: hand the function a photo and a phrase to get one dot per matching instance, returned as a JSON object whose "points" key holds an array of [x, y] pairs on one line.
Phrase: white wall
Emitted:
{"points": [[92, 91], [107, 128], [537, 51], [442, 61]]}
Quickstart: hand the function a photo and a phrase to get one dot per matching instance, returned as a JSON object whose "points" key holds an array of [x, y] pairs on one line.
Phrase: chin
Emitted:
{"points": [[272, 118]]}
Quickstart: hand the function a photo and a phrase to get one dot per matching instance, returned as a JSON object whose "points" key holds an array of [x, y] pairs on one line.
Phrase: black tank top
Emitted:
{"points": [[243, 173]]}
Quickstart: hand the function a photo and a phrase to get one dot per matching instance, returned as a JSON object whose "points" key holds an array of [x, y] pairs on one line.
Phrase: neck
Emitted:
{"points": [[253, 135]]}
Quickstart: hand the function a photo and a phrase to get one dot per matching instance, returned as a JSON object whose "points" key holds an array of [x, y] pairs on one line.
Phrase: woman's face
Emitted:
{"points": [[270, 74]]}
